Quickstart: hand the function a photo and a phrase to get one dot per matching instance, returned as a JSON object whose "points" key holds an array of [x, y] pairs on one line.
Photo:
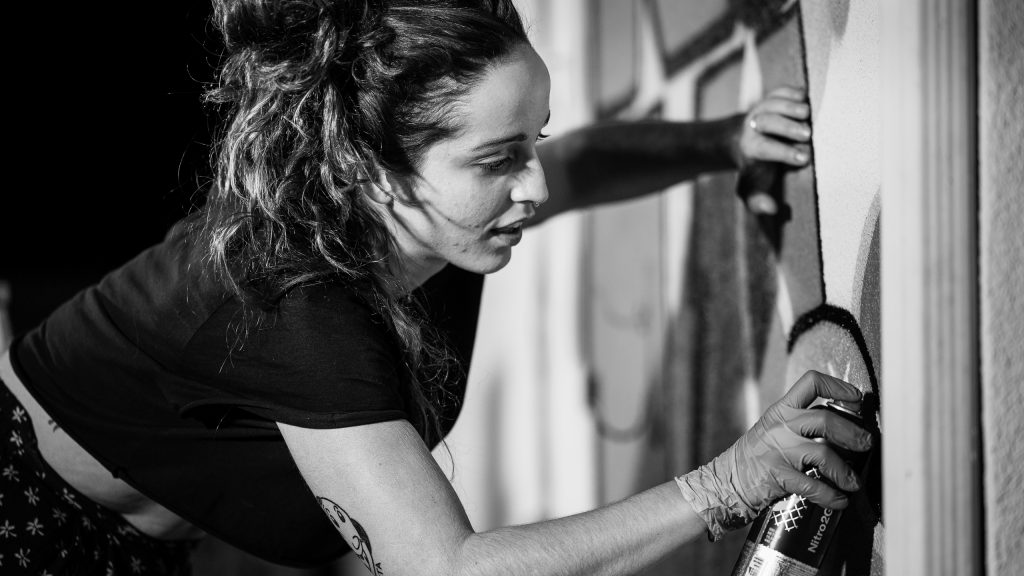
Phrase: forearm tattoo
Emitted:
{"points": [[353, 533]]}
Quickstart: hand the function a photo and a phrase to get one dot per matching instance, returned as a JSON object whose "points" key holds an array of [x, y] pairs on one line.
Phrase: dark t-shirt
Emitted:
{"points": [[161, 376]]}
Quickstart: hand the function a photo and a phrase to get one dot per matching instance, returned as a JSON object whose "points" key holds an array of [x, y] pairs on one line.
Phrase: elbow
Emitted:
{"points": [[464, 560], [476, 556]]}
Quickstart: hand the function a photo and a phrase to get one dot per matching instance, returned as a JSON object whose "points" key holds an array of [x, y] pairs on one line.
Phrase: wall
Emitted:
{"points": [[765, 299], [1001, 183]]}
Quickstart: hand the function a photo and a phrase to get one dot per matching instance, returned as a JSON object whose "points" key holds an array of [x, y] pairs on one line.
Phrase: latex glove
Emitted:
{"points": [[770, 460], [775, 131]]}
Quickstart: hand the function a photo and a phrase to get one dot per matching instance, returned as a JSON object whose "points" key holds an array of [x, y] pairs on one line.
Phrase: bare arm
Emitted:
{"points": [[614, 161], [619, 160], [387, 497]]}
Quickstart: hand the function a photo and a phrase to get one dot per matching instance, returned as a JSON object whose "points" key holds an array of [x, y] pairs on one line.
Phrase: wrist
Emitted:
{"points": [[715, 500], [733, 136]]}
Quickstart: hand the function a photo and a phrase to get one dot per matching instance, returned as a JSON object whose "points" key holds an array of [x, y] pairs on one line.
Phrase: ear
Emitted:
{"points": [[379, 189]]}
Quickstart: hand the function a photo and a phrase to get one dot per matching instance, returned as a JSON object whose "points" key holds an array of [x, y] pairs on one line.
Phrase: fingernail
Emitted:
{"points": [[805, 132], [800, 157]]}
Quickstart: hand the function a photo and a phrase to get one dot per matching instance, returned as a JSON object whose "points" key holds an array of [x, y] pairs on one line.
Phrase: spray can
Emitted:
{"points": [[791, 537]]}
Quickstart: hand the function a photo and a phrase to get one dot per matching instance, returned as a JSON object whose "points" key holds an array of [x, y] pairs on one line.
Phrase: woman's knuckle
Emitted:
{"points": [[827, 424], [815, 456], [806, 426], [785, 481], [805, 486], [821, 451]]}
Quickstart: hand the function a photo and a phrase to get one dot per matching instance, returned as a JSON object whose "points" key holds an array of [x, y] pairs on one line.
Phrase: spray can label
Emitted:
{"points": [[797, 530], [749, 545], [768, 562]]}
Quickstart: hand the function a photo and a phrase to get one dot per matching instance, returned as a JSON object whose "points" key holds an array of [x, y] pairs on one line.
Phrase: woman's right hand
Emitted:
{"points": [[770, 460]]}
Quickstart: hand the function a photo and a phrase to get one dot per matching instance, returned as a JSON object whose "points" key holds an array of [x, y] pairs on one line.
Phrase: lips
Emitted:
{"points": [[515, 228], [508, 235]]}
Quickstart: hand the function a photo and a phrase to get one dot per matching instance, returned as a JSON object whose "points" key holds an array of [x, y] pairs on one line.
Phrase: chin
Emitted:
{"points": [[487, 264]]}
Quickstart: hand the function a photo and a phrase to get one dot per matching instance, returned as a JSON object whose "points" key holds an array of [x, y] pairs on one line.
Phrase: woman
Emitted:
{"points": [[298, 345]]}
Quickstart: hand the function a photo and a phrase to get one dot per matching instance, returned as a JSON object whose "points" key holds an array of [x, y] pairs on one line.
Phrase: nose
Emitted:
{"points": [[531, 186]]}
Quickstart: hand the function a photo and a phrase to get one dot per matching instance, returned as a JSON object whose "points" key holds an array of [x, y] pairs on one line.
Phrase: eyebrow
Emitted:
{"points": [[520, 137]]}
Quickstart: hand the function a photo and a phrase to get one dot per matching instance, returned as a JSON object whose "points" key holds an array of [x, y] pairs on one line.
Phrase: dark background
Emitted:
{"points": [[110, 142]]}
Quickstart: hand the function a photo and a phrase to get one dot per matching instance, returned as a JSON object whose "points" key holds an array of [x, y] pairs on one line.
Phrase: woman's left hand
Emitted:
{"points": [[775, 130]]}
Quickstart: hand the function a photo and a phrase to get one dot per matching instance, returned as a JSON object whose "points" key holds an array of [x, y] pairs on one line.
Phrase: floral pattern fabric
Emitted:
{"points": [[49, 528]]}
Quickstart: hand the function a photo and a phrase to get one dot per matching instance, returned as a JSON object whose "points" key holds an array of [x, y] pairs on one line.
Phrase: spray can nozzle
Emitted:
{"points": [[853, 408]]}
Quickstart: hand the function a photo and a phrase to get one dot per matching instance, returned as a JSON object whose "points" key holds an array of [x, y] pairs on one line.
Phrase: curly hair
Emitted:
{"points": [[322, 95]]}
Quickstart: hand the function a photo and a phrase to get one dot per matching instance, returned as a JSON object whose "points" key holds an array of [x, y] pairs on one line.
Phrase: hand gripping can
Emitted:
{"points": [[791, 537]]}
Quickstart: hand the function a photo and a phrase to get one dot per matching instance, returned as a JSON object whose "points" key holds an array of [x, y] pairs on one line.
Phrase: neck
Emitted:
{"points": [[412, 272]]}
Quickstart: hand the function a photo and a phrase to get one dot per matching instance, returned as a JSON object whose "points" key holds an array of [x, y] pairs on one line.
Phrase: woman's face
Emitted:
{"points": [[477, 188]]}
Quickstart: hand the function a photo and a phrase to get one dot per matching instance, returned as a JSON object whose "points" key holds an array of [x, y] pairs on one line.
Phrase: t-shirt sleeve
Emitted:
{"points": [[321, 359]]}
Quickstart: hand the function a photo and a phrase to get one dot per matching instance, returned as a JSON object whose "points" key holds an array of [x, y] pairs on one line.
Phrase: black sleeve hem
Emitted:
{"points": [[301, 418]]}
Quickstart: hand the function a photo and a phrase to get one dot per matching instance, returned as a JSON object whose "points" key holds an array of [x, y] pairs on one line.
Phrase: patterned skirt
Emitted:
{"points": [[48, 527]]}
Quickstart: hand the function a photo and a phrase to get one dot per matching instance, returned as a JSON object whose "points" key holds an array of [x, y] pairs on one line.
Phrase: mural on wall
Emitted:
{"points": [[763, 298]]}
